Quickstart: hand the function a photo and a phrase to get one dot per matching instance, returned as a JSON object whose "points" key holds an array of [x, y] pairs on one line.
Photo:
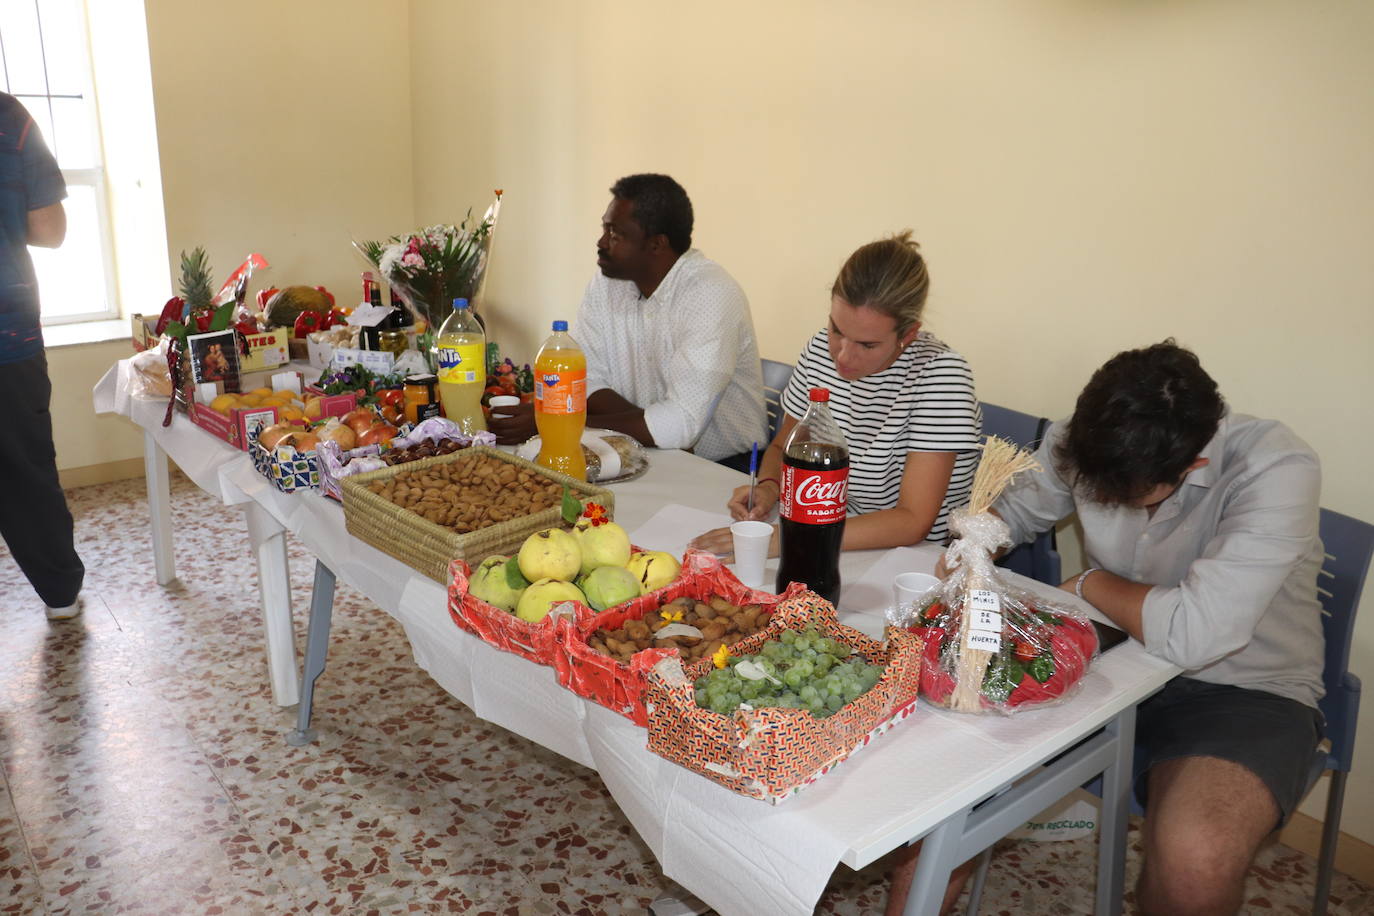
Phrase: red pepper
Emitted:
{"points": [[1026, 652], [170, 312], [204, 319], [327, 294], [306, 322]]}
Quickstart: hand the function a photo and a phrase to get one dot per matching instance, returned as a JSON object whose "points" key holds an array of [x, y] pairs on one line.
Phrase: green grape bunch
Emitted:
{"points": [[799, 670]]}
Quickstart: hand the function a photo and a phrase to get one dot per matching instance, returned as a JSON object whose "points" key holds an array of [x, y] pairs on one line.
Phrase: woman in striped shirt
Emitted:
{"points": [[904, 399]]}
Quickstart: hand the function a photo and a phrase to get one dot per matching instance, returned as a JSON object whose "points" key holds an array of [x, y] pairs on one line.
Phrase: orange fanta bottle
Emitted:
{"points": [[560, 402]]}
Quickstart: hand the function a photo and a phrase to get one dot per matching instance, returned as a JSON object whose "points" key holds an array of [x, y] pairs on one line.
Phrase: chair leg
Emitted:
{"points": [[1331, 828], [980, 875]]}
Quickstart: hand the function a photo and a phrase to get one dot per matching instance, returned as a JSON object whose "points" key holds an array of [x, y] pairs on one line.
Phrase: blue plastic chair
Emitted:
{"points": [[1349, 544], [1040, 558], [776, 375]]}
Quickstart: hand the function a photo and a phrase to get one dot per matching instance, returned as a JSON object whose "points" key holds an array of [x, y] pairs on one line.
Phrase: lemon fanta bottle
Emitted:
{"points": [[560, 402], [461, 358]]}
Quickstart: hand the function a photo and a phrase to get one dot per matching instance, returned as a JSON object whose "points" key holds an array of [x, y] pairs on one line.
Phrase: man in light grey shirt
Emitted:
{"points": [[1200, 528]]}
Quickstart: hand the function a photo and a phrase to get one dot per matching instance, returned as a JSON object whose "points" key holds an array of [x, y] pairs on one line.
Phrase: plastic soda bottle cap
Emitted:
{"points": [[560, 325], [820, 394], [459, 304]]}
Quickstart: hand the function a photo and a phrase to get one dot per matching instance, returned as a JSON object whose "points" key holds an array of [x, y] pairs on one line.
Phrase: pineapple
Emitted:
{"points": [[195, 283]]}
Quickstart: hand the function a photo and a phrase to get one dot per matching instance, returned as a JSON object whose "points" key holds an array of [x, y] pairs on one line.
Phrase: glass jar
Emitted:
{"points": [[394, 340], [421, 397]]}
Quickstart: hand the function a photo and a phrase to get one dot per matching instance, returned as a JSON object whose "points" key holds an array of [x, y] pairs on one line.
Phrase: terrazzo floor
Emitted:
{"points": [[143, 767]]}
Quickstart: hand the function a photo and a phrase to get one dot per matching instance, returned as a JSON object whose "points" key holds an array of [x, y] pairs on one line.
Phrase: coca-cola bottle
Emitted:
{"points": [[815, 485]]}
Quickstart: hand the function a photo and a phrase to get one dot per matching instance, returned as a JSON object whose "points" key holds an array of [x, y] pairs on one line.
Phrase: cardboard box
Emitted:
{"points": [[618, 685], [235, 427], [770, 753], [143, 331], [266, 350], [319, 353], [288, 468]]}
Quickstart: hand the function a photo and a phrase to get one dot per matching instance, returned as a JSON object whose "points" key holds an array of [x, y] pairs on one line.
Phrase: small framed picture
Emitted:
{"points": [[215, 358]]}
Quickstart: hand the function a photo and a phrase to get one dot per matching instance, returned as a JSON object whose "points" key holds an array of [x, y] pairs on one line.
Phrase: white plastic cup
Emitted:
{"points": [[751, 550], [908, 586], [502, 400]]}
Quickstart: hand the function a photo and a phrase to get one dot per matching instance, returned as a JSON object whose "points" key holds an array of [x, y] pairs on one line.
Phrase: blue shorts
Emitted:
{"points": [[1273, 737]]}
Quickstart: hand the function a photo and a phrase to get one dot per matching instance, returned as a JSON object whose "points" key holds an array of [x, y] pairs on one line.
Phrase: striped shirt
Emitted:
{"points": [[923, 402]]}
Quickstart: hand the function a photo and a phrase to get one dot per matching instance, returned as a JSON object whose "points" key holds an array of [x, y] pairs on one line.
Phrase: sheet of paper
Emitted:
{"points": [[671, 527]]}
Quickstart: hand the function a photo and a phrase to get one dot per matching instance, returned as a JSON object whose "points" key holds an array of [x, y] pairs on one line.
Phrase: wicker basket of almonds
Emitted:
{"points": [[466, 505]]}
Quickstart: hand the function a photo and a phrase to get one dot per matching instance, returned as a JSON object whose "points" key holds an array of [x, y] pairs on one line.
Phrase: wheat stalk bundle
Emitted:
{"points": [[1001, 462]]}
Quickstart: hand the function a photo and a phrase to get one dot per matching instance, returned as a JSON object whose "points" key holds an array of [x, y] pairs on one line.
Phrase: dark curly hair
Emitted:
{"points": [[1141, 421], [661, 206]]}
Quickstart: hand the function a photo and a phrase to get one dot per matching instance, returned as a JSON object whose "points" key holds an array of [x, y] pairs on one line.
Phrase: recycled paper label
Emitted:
{"points": [[985, 620], [984, 599]]}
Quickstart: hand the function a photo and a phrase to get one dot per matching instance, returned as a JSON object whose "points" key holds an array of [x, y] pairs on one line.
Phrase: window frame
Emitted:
{"points": [[94, 176]]}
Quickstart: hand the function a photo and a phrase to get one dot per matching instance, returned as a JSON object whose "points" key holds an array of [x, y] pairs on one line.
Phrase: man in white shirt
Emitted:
{"points": [[671, 354], [1200, 528]]}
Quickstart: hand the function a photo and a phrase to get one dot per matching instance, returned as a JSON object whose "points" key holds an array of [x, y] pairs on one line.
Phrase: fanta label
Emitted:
{"points": [[814, 497], [460, 365], [561, 392]]}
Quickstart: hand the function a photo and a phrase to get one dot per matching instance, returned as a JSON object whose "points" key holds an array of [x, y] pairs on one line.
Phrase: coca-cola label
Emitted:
{"points": [[814, 497]]}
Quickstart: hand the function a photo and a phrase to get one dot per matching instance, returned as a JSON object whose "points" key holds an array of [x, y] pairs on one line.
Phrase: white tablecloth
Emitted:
{"points": [[738, 854]]}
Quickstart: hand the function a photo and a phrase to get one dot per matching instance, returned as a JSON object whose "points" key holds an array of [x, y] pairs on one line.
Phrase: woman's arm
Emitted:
{"points": [[925, 479]]}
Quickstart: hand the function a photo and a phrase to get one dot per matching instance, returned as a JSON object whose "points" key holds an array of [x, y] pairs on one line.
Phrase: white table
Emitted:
{"points": [[202, 457], [936, 775], [924, 778]]}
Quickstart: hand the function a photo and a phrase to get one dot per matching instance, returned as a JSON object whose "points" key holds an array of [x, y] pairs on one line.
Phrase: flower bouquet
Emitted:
{"points": [[432, 266]]}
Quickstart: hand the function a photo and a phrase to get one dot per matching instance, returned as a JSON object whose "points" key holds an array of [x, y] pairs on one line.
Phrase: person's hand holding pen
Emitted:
{"points": [[765, 498], [754, 501], [753, 473]]}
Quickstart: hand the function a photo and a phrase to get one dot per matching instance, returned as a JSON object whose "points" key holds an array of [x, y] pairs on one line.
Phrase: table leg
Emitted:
{"points": [[677, 901], [267, 539], [1116, 809], [939, 857], [157, 479], [316, 651]]}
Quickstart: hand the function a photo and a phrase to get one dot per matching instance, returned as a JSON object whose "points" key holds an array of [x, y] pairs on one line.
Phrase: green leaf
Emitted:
{"points": [[572, 507], [176, 330], [224, 316], [515, 579], [1042, 667]]}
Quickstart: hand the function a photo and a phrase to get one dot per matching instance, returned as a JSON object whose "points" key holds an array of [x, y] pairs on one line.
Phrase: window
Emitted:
{"points": [[45, 63]]}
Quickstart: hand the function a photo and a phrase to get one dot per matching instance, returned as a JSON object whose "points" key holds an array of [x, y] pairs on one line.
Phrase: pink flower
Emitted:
{"points": [[412, 259]]}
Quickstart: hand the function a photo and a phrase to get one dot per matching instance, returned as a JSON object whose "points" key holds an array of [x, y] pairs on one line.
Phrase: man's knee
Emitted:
{"points": [[1193, 873]]}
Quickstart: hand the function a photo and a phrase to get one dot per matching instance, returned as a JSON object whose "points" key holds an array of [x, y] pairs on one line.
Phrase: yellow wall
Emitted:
{"points": [[1084, 177], [282, 129]]}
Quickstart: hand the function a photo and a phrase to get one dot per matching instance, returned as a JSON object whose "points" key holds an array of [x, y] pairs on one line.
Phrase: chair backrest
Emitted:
{"points": [[776, 375], [1016, 427], [1349, 544], [1039, 559]]}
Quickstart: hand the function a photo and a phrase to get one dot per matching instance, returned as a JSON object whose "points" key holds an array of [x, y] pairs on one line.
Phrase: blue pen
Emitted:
{"points": [[753, 474]]}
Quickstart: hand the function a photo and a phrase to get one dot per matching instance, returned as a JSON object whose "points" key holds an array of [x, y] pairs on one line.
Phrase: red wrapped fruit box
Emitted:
{"points": [[705, 588], [772, 752], [507, 632]]}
